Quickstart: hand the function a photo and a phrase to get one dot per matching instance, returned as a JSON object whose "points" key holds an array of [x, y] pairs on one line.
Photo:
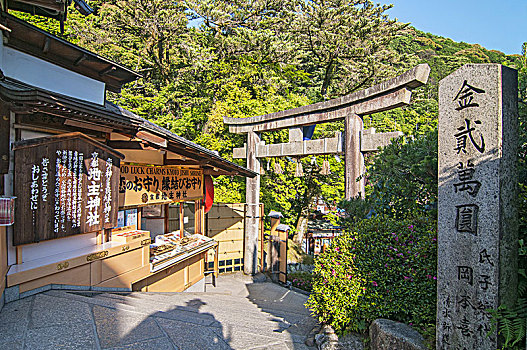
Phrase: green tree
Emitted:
{"points": [[344, 43]]}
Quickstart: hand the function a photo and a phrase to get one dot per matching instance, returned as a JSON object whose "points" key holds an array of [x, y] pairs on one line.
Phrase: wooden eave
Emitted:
{"points": [[193, 153], [55, 8], [36, 42], [34, 100], [64, 137], [59, 6], [26, 99]]}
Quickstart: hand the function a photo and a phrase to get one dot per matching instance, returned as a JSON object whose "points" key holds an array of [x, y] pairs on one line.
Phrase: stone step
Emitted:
{"points": [[185, 301], [250, 316], [280, 301], [231, 317], [223, 310], [178, 314], [219, 300]]}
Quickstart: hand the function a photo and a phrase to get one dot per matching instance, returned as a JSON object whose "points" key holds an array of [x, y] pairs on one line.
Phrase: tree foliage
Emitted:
{"points": [[202, 60], [345, 43]]}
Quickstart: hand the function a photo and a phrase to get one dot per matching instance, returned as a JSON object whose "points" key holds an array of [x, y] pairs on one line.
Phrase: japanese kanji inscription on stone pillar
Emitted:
{"points": [[477, 227]]}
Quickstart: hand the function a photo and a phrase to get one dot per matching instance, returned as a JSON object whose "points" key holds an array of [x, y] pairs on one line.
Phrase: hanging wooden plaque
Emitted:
{"points": [[65, 185], [148, 185]]}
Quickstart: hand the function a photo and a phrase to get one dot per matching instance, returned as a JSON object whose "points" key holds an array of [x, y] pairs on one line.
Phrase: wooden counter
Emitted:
{"points": [[83, 267], [113, 265]]}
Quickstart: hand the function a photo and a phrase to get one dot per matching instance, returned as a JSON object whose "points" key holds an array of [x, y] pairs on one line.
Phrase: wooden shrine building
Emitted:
{"points": [[94, 184]]}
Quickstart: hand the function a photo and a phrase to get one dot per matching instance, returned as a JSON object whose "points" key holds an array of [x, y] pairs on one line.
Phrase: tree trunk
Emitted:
{"points": [[301, 225], [327, 79]]}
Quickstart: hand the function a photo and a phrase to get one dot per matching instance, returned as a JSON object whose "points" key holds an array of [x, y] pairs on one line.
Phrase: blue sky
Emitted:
{"points": [[494, 24]]}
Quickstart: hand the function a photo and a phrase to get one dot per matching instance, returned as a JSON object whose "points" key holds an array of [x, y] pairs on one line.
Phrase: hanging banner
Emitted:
{"points": [[148, 185], [209, 193], [65, 185]]}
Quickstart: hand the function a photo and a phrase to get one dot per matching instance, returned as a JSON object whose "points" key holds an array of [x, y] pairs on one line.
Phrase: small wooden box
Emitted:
{"points": [[128, 234], [7, 211]]}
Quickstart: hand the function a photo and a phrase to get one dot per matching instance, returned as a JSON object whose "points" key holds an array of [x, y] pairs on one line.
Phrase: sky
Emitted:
{"points": [[494, 24]]}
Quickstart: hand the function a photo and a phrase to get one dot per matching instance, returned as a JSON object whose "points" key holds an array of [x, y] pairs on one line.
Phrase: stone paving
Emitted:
{"points": [[238, 314]]}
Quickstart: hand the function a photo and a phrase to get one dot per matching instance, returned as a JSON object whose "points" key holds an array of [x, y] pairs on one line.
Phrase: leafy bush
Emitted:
{"points": [[384, 268], [511, 322], [402, 179], [302, 280]]}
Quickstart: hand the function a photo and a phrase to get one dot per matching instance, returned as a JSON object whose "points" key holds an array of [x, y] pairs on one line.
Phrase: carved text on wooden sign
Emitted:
{"points": [[65, 185]]}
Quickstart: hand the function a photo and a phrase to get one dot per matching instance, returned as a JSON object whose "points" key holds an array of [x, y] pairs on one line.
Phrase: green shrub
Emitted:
{"points": [[302, 280], [384, 268]]}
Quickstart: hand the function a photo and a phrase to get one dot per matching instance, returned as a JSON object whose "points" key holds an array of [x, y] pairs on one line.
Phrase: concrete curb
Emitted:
{"points": [[298, 290], [13, 293]]}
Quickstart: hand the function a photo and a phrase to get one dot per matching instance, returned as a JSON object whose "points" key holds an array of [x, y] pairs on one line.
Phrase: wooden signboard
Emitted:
{"points": [[148, 185], [65, 185]]}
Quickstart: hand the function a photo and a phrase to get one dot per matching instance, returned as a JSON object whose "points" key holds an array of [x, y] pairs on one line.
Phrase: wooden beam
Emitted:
{"points": [[125, 144], [156, 140], [19, 259], [81, 59], [5, 144], [51, 5], [118, 136], [184, 162], [172, 155], [79, 124], [45, 48], [212, 172], [166, 210], [107, 70], [197, 216], [360, 103], [382, 103], [142, 156]]}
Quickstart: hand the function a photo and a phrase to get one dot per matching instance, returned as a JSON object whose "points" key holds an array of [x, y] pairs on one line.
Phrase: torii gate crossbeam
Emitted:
{"points": [[387, 95]]}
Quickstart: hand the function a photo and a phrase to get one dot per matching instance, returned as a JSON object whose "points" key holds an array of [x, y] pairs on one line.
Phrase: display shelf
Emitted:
{"points": [[176, 250]]}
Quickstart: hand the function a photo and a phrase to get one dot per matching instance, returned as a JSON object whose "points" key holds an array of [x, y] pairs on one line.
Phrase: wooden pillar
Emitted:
{"points": [[262, 240], [354, 159], [3, 261], [197, 216], [139, 217], [181, 222], [252, 212], [272, 254], [282, 265], [274, 223], [166, 216]]}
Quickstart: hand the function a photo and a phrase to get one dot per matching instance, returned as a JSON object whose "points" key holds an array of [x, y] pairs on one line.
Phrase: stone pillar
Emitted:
{"points": [[252, 212], [296, 134], [354, 159], [477, 227]]}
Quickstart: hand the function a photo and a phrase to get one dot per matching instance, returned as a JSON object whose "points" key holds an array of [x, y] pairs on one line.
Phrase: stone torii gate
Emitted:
{"points": [[353, 143]]}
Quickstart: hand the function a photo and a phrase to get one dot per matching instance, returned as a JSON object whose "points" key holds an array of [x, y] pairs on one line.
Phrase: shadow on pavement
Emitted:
{"points": [[287, 306], [182, 327]]}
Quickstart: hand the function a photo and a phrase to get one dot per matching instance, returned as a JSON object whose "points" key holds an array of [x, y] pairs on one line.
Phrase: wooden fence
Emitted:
{"points": [[225, 223]]}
